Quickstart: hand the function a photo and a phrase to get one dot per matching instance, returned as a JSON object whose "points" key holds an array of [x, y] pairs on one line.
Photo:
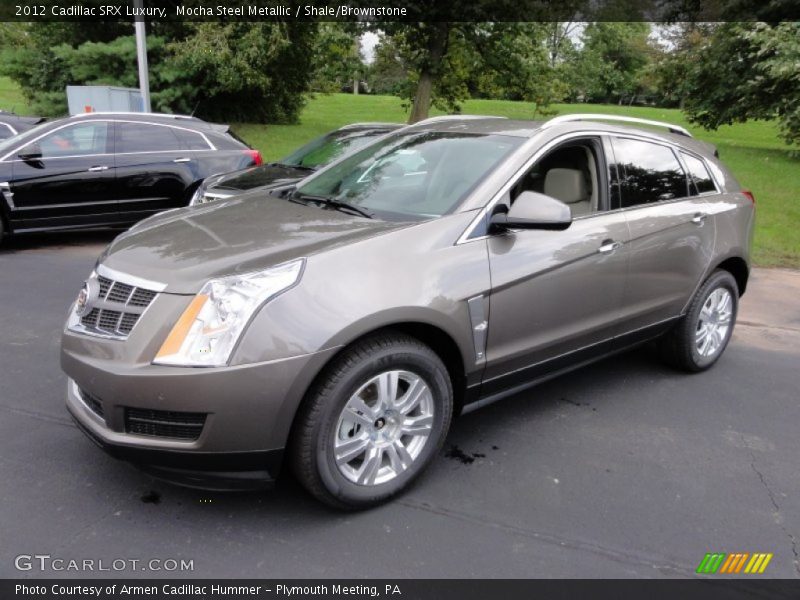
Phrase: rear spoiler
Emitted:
{"points": [[219, 128]]}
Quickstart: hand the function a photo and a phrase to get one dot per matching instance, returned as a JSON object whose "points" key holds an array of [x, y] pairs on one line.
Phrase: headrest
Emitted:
{"points": [[567, 185]]}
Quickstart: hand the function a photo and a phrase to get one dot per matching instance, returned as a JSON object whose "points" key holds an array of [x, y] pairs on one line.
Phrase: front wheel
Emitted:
{"points": [[374, 421], [701, 336]]}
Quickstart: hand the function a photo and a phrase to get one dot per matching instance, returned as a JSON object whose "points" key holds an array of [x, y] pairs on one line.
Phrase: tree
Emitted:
{"points": [[746, 71], [516, 63], [236, 71], [244, 71], [337, 57], [681, 42], [388, 73], [612, 58]]}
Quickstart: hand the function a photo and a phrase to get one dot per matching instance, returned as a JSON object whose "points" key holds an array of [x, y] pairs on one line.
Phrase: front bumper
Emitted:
{"points": [[248, 411]]}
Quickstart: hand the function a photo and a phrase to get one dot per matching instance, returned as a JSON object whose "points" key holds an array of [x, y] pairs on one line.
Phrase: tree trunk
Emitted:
{"points": [[429, 71], [422, 97]]}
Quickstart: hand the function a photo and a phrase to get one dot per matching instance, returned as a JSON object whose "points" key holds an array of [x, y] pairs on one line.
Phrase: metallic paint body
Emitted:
{"points": [[551, 298]]}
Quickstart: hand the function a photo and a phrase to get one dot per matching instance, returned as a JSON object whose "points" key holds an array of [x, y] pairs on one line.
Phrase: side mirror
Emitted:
{"points": [[30, 152], [532, 210]]}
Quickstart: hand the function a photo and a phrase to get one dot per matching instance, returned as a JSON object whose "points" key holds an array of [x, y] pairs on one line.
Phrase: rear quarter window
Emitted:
{"points": [[698, 174], [191, 140]]}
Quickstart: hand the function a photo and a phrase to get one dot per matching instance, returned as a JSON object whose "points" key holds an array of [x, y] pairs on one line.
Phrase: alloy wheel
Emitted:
{"points": [[714, 322], [383, 427]]}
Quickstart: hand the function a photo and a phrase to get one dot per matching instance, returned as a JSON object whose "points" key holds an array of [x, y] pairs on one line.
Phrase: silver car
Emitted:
{"points": [[338, 326]]}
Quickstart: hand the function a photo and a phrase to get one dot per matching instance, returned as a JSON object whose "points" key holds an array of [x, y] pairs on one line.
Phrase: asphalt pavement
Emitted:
{"points": [[625, 468]]}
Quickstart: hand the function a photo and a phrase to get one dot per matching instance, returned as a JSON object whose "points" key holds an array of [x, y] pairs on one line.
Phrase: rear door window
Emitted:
{"points": [[648, 173], [699, 175], [142, 137]]}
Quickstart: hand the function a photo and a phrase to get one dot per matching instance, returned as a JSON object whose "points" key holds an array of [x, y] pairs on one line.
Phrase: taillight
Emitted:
{"points": [[749, 195], [256, 156]]}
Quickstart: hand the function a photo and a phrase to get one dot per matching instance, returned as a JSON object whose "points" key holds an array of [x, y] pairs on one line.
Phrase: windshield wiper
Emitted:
{"points": [[300, 167], [333, 203]]}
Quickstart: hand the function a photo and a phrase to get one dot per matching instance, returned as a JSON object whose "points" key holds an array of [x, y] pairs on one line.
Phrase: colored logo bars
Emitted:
{"points": [[734, 563]]}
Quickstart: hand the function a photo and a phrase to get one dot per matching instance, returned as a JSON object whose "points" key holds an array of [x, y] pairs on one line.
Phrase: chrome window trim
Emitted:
{"points": [[114, 154], [676, 149], [201, 134], [707, 165], [537, 155], [10, 128], [128, 279], [211, 147]]}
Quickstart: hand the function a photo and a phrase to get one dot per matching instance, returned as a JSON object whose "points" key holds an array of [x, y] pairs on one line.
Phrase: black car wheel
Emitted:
{"points": [[701, 336], [373, 422]]}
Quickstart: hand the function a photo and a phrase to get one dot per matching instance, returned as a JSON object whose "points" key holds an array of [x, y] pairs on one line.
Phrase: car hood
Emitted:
{"points": [[183, 248], [254, 177]]}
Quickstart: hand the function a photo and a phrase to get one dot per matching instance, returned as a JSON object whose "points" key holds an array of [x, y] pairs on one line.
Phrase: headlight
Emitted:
{"points": [[197, 197], [202, 193], [208, 330]]}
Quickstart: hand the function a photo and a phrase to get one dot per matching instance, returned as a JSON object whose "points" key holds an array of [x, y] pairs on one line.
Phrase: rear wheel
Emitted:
{"points": [[374, 421], [701, 336]]}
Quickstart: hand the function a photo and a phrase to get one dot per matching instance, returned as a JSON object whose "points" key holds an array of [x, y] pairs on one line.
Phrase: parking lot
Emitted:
{"points": [[622, 469]]}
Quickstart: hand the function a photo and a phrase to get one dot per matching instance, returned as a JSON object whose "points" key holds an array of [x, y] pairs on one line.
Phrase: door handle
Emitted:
{"points": [[182, 160], [609, 246], [698, 218], [98, 168]]}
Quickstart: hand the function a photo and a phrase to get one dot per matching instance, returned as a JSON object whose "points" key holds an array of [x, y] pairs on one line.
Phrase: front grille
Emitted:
{"points": [[164, 423], [119, 307], [93, 402]]}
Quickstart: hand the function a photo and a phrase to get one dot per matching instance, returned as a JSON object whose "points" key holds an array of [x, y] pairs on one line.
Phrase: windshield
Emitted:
{"points": [[20, 139], [414, 175], [327, 148]]}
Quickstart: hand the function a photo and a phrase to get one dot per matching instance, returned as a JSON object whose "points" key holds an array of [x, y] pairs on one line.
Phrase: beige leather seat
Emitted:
{"points": [[569, 186]]}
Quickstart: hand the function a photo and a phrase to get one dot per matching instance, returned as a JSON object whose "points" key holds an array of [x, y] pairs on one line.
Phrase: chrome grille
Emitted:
{"points": [[120, 293], [118, 308], [142, 297]]}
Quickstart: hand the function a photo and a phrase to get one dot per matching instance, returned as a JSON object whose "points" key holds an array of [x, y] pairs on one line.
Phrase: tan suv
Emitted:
{"points": [[340, 323]]}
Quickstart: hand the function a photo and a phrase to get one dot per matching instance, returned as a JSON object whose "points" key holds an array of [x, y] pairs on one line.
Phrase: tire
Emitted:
{"points": [[715, 304], [342, 416]]}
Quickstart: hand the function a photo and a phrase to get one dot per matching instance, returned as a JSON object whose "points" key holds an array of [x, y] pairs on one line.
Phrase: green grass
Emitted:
{"points": [[11, 98], [753, 151]]}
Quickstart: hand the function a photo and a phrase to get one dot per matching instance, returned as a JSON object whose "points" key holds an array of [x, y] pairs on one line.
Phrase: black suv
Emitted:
{"points": [[109, 169], [11, 124]]}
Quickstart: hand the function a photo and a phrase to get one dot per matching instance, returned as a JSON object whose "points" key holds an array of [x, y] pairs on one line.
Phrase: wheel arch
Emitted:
{"points": [[433, 336], [736, 266]]}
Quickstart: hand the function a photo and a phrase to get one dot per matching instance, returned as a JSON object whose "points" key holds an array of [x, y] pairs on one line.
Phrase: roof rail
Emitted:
{"points": [[371, 124], [130, 112], [456, 118], [600, 117]]}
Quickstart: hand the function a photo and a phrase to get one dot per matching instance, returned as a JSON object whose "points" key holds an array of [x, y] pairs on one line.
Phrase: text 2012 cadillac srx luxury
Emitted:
{"points": [[339, 325]]}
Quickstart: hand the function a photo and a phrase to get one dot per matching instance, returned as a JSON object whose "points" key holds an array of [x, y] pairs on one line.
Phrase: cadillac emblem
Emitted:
{"points": [[88, 295]]}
